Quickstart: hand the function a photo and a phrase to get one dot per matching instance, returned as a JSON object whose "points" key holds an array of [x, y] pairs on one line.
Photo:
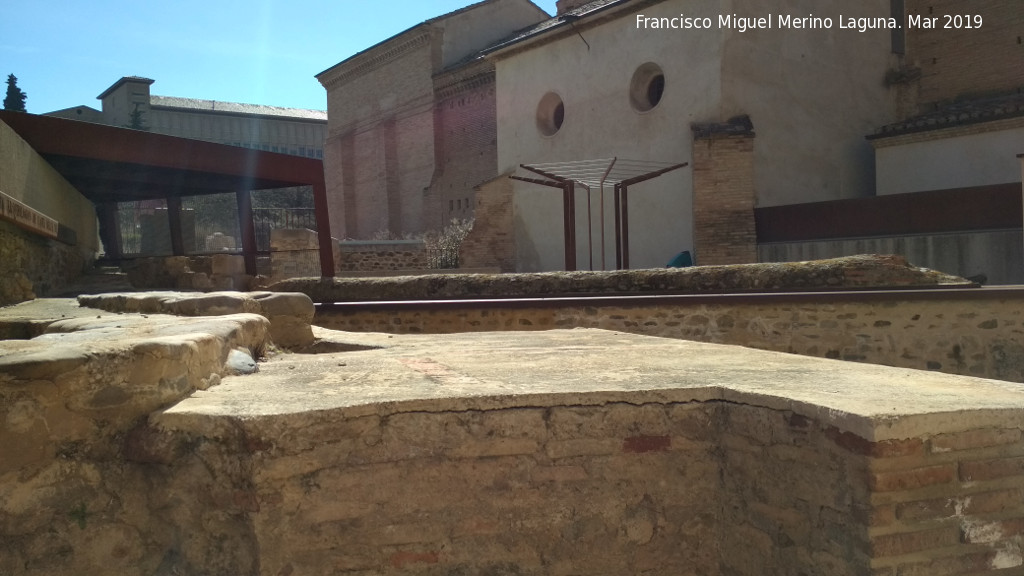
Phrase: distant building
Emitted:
{"points": [[294, 131]]}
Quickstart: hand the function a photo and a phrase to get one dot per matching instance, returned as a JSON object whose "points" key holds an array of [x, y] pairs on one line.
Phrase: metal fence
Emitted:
{"points": [[208, 226]]}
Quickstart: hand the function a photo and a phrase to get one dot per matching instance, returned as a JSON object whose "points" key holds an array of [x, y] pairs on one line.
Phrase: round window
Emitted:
{"points": [[647, 87], [550, 114]]}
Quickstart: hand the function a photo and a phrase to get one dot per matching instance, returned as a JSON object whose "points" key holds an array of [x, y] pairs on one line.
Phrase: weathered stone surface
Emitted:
{"points": [[559, 452], [76, 466], [290, 314], [240, 362], [972, 331], [850, 272], [204, 273]]}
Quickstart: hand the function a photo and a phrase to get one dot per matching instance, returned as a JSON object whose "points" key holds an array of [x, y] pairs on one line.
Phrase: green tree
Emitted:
{"points": [[137, 121], [15, 99]]}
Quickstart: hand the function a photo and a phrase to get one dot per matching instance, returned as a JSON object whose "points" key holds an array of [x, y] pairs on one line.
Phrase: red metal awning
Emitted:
{"points": [[110, 164]]}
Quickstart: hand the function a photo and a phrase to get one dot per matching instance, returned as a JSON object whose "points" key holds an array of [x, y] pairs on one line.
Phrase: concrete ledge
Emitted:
{"points": [[488, 371], [562, 451], [290, 314], [88, 378], [854, 272]]}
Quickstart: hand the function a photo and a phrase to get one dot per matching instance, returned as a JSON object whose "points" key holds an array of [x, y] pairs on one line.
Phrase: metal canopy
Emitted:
{"points": [[108, 164], [599, 172], [620, 173]]}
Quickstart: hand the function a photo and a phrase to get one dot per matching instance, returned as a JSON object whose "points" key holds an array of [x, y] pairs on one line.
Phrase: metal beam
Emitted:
{"points": [[543, 173], [174, 223], [540, 182], [247, 229], [655, 174], [323, 230]]}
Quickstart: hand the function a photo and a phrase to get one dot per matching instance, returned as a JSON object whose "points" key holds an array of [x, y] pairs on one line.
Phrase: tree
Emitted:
{"points": [[137, 121], [15, 99]]}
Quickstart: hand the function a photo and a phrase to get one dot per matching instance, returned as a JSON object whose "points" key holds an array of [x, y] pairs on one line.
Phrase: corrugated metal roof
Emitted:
{"points": [[195, 104]]}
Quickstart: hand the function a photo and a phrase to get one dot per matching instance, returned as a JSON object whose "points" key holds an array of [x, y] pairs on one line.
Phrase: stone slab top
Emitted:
{"points": [[65, 336], [586, 367], [847, 273]]}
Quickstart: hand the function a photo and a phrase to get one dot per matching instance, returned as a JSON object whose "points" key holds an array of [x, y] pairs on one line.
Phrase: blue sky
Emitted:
{"points": [[66, 52]]}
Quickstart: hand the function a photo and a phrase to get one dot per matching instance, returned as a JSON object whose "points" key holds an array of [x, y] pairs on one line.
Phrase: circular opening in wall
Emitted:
{"points": [[647, 87], [550, 114]]}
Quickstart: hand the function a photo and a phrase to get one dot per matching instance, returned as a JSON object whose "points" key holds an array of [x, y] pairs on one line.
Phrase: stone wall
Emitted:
{"points": [[698, 459], [294, 253], [852, 272], [977, 332], [491, 242], [32, 265], [82, 489], [389, 255], [203, 273]]}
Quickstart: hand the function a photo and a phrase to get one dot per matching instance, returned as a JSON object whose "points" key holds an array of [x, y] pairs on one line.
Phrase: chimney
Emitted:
{"points": [[563, 6]]}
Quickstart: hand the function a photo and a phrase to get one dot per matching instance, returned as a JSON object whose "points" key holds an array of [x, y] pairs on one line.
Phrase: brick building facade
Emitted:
{"points": [[959, 59], [412, 122]]}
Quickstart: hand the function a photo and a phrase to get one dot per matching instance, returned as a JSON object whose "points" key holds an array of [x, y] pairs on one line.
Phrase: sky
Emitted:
{"points": [[65, 53]]}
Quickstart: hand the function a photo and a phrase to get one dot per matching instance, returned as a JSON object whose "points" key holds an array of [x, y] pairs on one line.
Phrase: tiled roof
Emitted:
{"points": [[558, 21], [958, 114], [236, 108], [121, 81]]}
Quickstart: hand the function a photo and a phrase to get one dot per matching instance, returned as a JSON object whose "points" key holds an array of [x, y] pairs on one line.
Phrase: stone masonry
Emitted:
{"points": [[542, 454], [491, 242], [977, 334]]}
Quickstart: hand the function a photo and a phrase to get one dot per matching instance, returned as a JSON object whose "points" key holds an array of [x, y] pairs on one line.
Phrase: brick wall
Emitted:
{"points": [[724, 199], [979, 337], [946, 504], [466, 133], [962, 62], [625, 486], [379, 154], [407, 147], [563, 490], [491, 242]]}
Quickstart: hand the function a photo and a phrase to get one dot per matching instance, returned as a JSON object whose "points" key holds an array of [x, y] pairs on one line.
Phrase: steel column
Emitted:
{"points": [[625, 226], [110, 230], [247, 229], [174, 222], [618, 228], [568, 218], [323, 230]]}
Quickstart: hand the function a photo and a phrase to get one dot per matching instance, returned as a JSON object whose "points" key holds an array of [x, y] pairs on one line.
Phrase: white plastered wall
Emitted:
{"points": [[600, 122], [954, 162]]}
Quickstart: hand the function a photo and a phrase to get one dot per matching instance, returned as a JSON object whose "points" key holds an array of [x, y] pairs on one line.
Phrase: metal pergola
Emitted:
{"points": [[620, 173]]}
